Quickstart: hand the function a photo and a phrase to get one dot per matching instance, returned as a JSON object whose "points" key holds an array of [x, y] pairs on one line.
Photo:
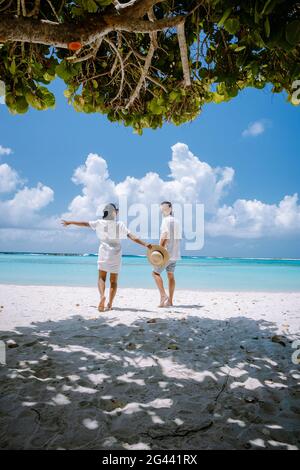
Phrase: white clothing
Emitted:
{"points": [[171, 229], [110, 234]]}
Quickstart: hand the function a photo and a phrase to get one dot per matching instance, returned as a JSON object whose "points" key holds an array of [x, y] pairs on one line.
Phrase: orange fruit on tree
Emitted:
{"points": [[74, 46]]}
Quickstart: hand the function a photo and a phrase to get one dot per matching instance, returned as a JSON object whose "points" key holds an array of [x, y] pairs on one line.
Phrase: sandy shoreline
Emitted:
{"points": [[178, 289], [202, 375]]}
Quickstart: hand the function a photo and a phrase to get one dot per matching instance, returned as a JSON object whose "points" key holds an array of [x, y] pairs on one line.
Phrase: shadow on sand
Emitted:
{"points": [[177, 383]]}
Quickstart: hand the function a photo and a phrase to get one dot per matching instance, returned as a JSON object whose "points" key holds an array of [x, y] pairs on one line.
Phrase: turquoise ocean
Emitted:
{"points": [[201, 273]]}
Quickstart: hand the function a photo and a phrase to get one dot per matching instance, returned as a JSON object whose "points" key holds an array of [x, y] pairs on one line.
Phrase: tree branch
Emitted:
{"points": [[7, 6], [184, 54], [132, 25], [122, 67], [157, 82], [54, 11], [152, 47], [139, 8], [35, 10], [91, 55], [24, 12], [121, 6], [60, 35]]}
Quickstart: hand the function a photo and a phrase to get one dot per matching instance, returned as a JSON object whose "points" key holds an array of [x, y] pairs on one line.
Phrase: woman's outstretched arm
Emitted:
{"points": [[65, 223], [137, 240]]}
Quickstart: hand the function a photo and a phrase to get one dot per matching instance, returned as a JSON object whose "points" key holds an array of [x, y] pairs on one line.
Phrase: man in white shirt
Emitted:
{"points": [[170, 235]]}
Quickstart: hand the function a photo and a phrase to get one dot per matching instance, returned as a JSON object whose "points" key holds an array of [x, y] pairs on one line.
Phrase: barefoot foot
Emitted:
{"points": [[163, 300], [101, 305]]}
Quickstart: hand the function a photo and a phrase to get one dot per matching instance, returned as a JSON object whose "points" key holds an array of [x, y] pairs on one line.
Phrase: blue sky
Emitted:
{"points": [[48, 146]]}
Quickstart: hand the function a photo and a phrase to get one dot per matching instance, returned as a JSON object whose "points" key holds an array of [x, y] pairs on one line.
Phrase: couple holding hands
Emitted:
{"points": [[110, 232]]}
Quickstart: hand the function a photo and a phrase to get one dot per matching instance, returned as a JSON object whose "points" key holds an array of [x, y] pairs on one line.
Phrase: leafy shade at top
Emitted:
{"points": [[144, 62]]}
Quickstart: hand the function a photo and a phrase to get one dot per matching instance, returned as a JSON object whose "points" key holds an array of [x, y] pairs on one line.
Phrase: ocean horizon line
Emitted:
{"points": [[33, 253]]}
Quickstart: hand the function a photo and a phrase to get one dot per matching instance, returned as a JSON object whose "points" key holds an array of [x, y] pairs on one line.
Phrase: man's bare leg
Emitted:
{"points": [[159, 282], [112, 290], [171, 279], [101, 287]]}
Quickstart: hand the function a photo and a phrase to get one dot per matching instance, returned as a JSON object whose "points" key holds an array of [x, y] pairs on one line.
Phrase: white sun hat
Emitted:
{"points": [[158, 256]]}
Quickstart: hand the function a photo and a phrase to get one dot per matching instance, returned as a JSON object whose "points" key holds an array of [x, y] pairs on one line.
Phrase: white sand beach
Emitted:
{"points": [[209, 373]]}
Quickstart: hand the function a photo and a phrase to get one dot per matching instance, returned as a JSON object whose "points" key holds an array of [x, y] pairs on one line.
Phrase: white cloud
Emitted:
{"points": [[255, 219], [191, 180], [255, 128], [98, 188], [24, 207], [21, 209], [5, 150], [9, 178]]}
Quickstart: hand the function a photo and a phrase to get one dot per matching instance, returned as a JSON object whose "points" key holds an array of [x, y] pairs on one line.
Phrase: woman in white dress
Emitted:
{"points": [[110, 233]]}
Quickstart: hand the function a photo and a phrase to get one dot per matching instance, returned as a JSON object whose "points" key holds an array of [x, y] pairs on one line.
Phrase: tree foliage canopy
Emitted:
{"points": [[143, 62]]}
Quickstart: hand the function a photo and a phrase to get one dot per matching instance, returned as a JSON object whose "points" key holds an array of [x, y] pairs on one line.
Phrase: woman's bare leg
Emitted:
{"points": [[113, 289], [101, 287]]}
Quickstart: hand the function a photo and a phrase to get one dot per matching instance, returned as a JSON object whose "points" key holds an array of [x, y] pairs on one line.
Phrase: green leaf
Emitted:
{"points": [[232, 92], [40, 99], [48, 77], [21, 105], [154, 107], [90, 6], [33, 99], [67, 71], [174, 95], [78, 103], [269, 6], [239, 48], [258, 39], [12, 67], [256, 13], [277, 88], [267, 27], [104, 3], [266, 6], [77, 11], [62, 71], [10, 100], [225, 16], [292, 32], [67, 93], [203, 72], [232, 25], [47, 97], [218, 98]]}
